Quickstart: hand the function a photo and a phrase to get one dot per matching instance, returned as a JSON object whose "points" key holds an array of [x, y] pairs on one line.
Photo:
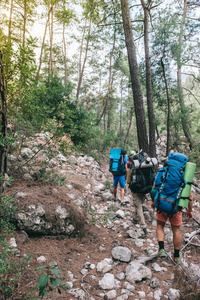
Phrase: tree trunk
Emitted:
{"points": [[99, 97], [121, 112], [82, 68], [51, 40], [80, 63], [3, 123], [109, 102], [135, 78], [184, 121], [10, 21], [129, 127], [9, 39], [42, 48], [151, 117], [65, 54], [24, 25], [168, 106]]}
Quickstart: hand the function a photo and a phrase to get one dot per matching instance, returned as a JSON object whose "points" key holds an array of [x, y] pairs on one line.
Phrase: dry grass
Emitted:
{"points": [[189, 289]]}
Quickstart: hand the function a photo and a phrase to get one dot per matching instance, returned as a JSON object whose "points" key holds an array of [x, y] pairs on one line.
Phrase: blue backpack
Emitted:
{"points": [[169, 183], [117, 165]]}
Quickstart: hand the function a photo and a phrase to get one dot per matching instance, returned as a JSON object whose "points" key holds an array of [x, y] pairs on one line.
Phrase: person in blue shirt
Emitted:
{"points": [[121, 179], [126, 156]]}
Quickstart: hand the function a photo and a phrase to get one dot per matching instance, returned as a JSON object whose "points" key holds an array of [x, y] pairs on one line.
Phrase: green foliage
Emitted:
{"points": [[7, 210], [102, 140], [11, 269], [107, 184], [50, 280], [48, 104], [194, 156], [51, 177]]}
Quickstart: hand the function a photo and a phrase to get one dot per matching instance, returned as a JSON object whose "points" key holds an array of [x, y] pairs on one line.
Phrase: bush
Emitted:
{"points": [[50, 101], [50, 280], [11, 269], [7, 210]]}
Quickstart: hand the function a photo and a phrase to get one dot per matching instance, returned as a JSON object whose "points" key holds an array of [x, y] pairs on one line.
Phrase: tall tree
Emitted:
{"points": [[51, 31], [82, 65], [9, 43], [65, 16], [147, 6], [179, 52], [110, 81], [3, 125], [43, 43], [135, 77], [168, 103]]}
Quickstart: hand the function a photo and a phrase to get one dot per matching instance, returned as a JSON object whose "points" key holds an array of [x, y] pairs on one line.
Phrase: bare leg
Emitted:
{"points": [[176, 237], [160, 231], [122, 194], [115, 192]]}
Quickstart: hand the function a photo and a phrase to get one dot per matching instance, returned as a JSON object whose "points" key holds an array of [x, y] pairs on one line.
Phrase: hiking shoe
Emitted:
{"points": [[123, 204], [161, 253], [177, 260]]}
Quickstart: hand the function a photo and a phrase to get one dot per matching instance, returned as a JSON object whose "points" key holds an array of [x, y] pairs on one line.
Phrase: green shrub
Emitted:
{"points": [[50, 100], [51, 177], [7, 210], [50, 280], [11, 269]]}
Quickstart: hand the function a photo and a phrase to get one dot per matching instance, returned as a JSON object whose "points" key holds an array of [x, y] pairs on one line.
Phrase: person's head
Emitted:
{"points": [[132, 153]]}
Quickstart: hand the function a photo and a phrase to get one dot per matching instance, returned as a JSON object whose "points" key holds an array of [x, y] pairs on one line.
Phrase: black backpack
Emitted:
{"points": [[142, 173]]}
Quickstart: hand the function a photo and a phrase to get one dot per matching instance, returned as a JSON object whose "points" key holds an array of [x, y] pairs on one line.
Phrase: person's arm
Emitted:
{"points": [[152, 203], [126, 169], [189, 211]]}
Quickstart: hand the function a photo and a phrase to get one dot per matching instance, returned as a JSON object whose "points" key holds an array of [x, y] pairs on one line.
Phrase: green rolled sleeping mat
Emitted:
{"points": [[188, 176]]}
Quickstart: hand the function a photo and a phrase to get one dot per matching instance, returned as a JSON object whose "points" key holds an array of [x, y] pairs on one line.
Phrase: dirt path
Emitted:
{"points": [[93, 245]]}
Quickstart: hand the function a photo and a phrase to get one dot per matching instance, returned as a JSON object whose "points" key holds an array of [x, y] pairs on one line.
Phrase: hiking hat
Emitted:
{"points": [[132, 153]]}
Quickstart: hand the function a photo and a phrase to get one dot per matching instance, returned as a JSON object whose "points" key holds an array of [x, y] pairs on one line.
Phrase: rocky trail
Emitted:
{"points": [[108, 258]]}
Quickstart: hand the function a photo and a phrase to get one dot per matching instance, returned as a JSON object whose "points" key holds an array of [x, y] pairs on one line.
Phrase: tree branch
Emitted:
{"points": [[192, 95], [104, 109], [192, 76]]}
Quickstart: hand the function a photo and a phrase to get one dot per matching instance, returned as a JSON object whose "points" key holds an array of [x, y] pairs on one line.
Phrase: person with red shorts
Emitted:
{"points": [[175, 221]]}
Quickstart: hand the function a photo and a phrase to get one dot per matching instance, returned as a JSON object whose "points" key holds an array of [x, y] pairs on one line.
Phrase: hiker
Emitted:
{"points": [[130, 158], [121, 179], [138, 200], [171, 191], [126, 156], [175, 221], [142, 181], [118, 167]]}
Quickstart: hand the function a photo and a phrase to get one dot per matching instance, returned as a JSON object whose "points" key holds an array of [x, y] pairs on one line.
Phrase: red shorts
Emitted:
{"points": [[175, 220]]}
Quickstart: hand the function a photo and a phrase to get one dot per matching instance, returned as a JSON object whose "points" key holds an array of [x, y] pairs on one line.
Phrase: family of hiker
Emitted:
{"points": [[170, 190]]}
